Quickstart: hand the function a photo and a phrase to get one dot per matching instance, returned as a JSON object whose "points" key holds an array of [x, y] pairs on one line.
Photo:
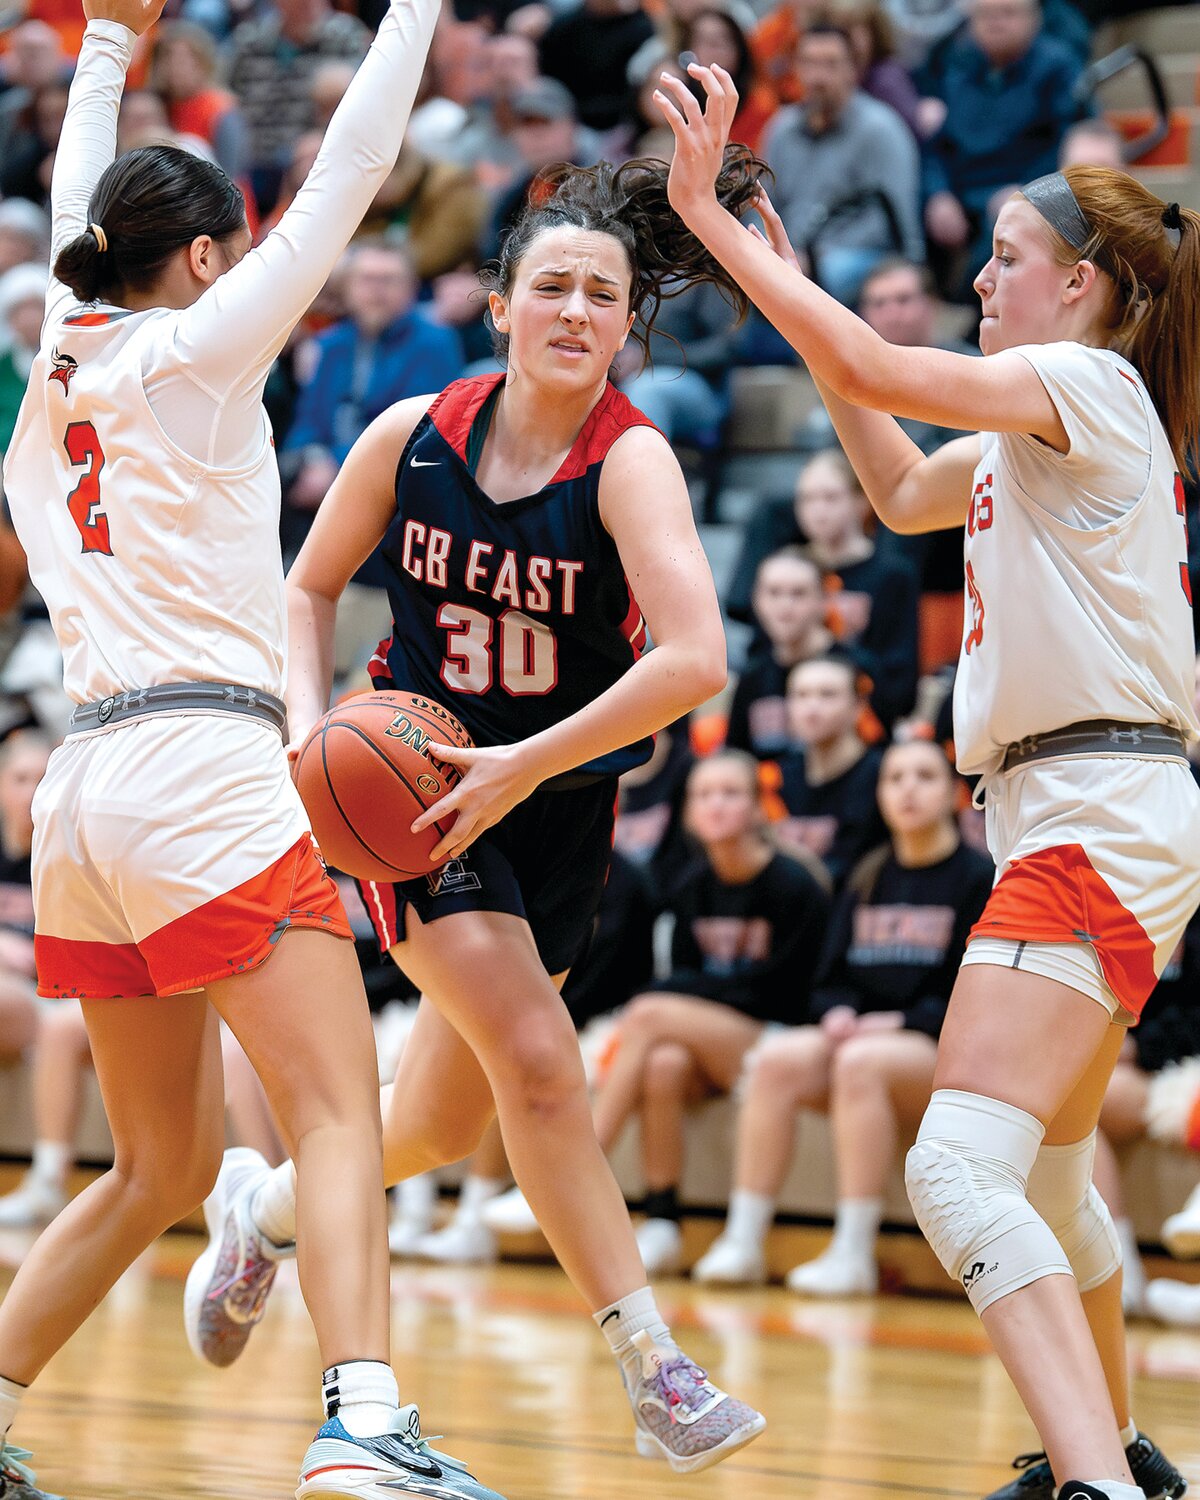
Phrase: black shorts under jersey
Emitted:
{"points": [[547, 862]]}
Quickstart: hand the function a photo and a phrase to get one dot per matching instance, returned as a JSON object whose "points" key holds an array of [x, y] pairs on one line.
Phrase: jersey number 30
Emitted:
{"points": [[520, 652], [83, 448]]}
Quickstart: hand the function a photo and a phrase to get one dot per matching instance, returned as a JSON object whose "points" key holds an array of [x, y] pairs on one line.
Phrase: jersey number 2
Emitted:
{"points": [[83, 447], [526, 652]]}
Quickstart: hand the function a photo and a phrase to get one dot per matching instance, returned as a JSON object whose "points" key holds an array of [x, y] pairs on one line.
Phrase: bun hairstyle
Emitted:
{"points": [[630, 204], [147, 204], [1151, 252]]}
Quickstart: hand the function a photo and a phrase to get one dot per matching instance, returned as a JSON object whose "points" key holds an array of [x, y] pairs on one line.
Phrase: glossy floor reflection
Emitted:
{"points": [[897, 1396]]}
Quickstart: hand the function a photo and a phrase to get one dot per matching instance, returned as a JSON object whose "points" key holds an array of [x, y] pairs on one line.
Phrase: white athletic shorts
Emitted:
{"points": [[170, 851], [1096, 856]]}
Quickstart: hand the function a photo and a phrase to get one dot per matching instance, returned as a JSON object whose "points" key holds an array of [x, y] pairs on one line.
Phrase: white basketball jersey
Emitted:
{"points": [[154, 567], [1077, 597]]}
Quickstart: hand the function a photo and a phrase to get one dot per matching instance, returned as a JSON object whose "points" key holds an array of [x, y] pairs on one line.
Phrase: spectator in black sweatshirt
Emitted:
{"points": [[789, 609], [749, 923], [827, 782], [895, 939]]}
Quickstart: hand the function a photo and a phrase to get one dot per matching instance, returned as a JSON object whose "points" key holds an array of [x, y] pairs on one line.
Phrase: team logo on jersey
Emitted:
{"points": [[453, 876], [64, 368]]}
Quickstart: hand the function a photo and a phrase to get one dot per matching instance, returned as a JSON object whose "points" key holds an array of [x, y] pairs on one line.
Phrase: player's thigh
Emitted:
{"points": [[1022, 1038], [1079, 1114], [303, 1021], [1123, 1112], [158, 1064], [441, 1093], [482, 972]]}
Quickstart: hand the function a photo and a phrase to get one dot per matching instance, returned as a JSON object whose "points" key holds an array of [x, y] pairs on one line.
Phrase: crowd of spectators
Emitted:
{"points": [[816, 858]]}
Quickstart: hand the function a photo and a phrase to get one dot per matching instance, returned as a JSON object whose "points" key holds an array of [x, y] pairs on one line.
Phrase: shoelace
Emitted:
{"points": [[13, 1464], [1027, 1460], [681, 1383]]}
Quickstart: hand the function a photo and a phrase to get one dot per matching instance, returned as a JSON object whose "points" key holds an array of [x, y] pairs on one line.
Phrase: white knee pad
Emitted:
{"points": [[1061, 1189], [966, 1181]]}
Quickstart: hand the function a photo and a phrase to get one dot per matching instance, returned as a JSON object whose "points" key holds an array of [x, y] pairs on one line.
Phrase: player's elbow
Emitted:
{"points": [[706, 672]]}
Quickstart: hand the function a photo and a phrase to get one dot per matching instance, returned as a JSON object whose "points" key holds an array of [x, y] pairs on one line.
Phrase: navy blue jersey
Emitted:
{"points": [[513, 615]]}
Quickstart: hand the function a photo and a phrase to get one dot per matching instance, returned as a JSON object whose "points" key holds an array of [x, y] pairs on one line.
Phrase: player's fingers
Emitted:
{"points": [[453, 755], [682, 97], [440, 810]]}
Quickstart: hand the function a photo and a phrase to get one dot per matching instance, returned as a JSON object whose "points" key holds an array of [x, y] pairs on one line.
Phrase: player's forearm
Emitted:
{"points": [[311, 620], [88, 142], [881, 452], [667, 683]]}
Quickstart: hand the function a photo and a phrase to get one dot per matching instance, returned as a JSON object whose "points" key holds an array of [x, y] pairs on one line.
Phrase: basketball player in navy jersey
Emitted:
{"points": [[535, 525]]}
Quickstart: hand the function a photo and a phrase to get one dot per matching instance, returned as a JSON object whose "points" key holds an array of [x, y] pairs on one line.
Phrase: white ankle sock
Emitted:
{"points": [[750, 1216], [474, 1193], [10, 1401], [621, 1320], [855, 1226], [1131, 1256], [362, 1394], [273, 1207], [417, 1196], [1129, 1433], [1115, 1491], [52, 1162]]}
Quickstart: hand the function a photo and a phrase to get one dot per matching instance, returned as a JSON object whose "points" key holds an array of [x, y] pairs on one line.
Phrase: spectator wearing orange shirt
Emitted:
{"points": [[775, 42], [714, 36], [184, 72]]}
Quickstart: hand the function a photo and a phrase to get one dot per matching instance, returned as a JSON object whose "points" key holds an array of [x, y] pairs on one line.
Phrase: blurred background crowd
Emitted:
{"points": [[797, 869]]}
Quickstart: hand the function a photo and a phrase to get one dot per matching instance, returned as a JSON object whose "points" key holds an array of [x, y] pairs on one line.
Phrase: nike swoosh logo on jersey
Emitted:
{"points": [[424, 463]]}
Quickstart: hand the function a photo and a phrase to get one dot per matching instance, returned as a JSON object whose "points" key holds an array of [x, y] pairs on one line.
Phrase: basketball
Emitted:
{"points": [[364, 774]]}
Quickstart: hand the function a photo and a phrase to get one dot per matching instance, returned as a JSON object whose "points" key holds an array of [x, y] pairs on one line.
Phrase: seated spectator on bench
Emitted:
{"points": [[895, 940], [748, 927], [870, 597], [789, 608], [649, 829], [827, 781]]}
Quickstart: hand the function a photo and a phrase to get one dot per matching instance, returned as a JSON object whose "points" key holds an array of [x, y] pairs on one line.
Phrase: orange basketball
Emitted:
{"points": [[365, 774]]}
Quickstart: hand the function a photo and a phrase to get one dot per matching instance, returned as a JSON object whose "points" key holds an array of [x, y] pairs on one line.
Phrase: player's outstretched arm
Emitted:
{"points": [[348, 527], [646, 508], [999, 393], [228, 340], [908, 492]]}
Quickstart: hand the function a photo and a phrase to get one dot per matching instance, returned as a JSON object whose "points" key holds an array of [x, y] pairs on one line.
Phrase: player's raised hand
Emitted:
{"points": [[138, 15], [700, 135], [494, 780], [776, 234]]}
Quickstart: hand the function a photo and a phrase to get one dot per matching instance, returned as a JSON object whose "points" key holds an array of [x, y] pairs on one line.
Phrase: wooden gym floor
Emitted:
{"points": [[896, 1396]]}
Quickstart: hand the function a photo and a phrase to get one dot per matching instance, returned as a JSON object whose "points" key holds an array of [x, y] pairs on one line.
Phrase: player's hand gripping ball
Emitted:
{"points": [[365, 773]]}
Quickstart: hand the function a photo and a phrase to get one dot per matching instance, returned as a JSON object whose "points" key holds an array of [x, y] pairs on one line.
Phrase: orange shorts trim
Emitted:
{"points": [[1056, 896], [228, 935]]}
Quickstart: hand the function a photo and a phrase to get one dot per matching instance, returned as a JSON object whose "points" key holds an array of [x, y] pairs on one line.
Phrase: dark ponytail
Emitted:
{"points": [[147, 204], [630, 203]]}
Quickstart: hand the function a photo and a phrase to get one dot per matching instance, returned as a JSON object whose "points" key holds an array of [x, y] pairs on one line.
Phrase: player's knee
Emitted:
{"points": [[966, 1179], [162, 1187], [1062, 1191], [667, 1070], [542, 1069]]}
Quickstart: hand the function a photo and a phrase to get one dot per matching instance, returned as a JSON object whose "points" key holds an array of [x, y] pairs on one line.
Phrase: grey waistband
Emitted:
{"points": [[1097, 737], [180, 697]]}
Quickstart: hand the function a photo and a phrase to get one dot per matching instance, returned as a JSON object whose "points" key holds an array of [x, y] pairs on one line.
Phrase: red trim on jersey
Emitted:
{"points": [[377, 668], [228, 935], [453, 412], [95, 319], [1057, 896], [633, 626], [379, 898]]}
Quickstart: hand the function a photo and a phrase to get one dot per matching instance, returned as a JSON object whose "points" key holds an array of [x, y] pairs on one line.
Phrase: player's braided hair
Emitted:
{"points": [[147, 204], [630, 203]]}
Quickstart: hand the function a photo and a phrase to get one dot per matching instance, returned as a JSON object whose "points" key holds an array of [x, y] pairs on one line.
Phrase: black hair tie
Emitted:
{"points": [[1172, 218]]}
